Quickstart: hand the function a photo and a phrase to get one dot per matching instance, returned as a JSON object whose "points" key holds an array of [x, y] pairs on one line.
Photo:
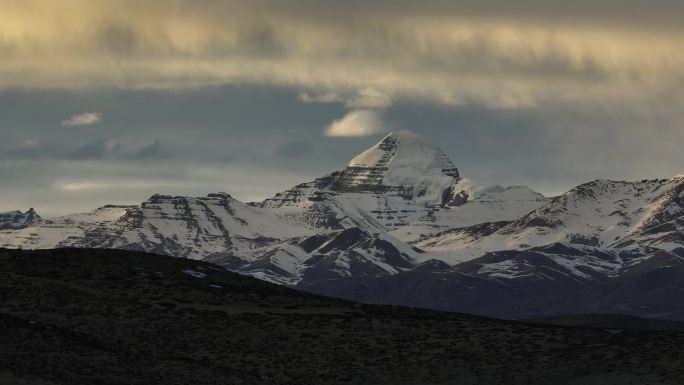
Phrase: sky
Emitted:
{"points": [[112, 101]]}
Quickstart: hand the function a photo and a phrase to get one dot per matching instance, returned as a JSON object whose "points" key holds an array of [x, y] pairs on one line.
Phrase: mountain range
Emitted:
{"points": [[399, 224]]}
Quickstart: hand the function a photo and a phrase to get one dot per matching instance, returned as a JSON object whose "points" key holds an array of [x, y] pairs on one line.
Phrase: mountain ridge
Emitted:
{"points": [[396, 209]]}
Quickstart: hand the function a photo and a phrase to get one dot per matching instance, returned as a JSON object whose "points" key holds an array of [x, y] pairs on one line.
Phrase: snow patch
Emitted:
{"points": [[195, 274]]}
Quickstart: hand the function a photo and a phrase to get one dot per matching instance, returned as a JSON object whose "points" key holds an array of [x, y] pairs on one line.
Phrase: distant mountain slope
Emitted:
{"points": [[334, 255], [538, 282], [83, 317], [626, 215], [181, 226], [14, 220]]}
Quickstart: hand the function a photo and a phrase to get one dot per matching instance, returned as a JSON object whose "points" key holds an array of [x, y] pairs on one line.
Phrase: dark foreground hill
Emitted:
{"points": [[615, 321], [114, 317]]}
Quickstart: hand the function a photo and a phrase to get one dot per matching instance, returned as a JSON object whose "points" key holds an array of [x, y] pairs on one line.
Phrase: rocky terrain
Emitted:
{"points": [[612, 321], [80, 316]]}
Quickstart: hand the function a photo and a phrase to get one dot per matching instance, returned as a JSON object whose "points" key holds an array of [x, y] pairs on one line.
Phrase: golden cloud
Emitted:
{"points": [[453, 54]]}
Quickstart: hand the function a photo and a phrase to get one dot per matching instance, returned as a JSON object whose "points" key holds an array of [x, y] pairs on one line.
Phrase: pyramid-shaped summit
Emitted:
{"points": [[399, 179], [401, 160]]}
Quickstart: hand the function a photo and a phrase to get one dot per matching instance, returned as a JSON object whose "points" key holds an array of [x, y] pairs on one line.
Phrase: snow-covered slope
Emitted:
{"points": [[63, 231], [601, 213], [488, 204], [339, 254], [182, 226], [401, 161], [14, 220]]}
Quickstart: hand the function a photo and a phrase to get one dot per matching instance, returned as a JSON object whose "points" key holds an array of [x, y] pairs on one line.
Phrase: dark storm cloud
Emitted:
{"points": [[118, 39], [495, 53], [150, 151], [102, 149], [94, 150]]}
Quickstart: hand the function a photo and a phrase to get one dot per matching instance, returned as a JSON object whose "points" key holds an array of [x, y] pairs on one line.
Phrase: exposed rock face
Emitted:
{"points": [[331, 256], [14, 220], [451, 198]]}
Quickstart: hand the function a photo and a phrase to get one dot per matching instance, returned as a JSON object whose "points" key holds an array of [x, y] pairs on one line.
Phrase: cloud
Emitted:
{"points": [[93, 184], [327, 97], [94, 150], [295, 150], [103, 149], [369, 98], [62, 187], [357, 123], [84, 119], [29, 144], [490, 53], [364, 98], [365, 117]]}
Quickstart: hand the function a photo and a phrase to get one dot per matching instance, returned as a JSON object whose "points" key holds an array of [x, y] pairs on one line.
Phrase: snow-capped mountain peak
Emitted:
{"points": [[403, 149], [401, 160]]}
